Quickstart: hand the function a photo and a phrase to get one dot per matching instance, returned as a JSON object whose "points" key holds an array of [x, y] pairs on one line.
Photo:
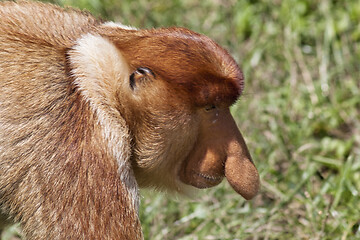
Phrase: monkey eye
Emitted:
{"points": [[210, 107], [139, 75]]}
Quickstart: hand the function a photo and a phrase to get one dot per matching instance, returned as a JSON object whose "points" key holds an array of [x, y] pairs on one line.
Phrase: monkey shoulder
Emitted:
{"points": [[43, 23]]}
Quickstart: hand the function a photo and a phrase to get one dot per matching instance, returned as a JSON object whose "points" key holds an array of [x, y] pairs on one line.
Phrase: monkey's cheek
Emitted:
{"points": [[243, 177]]}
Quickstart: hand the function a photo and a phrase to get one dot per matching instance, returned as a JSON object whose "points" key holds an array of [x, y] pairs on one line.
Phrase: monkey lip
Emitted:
{"points": [[205, 180]]}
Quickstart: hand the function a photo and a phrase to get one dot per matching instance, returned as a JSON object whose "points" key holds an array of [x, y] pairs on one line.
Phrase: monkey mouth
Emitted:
{"points": [[209, 177], [204, 180]]}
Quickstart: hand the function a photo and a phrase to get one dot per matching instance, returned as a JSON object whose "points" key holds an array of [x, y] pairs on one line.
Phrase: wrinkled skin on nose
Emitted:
{"points": [[221, 151]]}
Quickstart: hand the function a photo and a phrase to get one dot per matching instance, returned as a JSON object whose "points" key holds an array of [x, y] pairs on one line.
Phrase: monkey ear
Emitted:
{"points": [[139, 76]]}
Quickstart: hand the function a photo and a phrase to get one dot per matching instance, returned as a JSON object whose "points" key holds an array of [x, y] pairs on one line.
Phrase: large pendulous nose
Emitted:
{"points": [[240, 170]]}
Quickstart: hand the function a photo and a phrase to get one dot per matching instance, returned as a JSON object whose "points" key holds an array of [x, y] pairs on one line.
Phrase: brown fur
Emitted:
{"points": [[217, 79], [76, 137]]}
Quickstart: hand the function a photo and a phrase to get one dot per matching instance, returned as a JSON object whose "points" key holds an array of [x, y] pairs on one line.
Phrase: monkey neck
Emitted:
{"points": [[98, 86], [109, 166]]}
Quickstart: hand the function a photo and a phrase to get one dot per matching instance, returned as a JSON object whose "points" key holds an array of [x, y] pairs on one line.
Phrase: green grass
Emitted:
{"points": [[300, 115]]}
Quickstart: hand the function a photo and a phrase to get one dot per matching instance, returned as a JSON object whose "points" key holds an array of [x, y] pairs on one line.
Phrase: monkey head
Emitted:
{"points": [[175, 98]]}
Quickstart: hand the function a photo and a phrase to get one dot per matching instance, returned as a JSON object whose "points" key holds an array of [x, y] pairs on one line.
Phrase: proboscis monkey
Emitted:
{"points": [[90, 110]]}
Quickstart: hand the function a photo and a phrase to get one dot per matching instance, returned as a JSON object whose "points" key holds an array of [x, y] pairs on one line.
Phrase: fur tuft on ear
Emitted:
{"points": [[118, 25], [100, 71]]}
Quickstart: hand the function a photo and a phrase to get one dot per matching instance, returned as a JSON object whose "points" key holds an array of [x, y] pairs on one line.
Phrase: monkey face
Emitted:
{"points": [[199, 145], [178, 93]]}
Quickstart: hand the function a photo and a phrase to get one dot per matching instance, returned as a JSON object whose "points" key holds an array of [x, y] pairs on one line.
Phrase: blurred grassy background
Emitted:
{"points": [[300, 115]]}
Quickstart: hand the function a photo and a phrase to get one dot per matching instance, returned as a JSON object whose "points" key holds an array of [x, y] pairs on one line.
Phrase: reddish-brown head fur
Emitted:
{"points": [[189, 74], [192, 63]]}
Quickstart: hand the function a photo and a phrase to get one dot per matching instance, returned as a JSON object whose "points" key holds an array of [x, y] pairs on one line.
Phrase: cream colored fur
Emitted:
{"points": [[99, 69], [119, 25]]}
